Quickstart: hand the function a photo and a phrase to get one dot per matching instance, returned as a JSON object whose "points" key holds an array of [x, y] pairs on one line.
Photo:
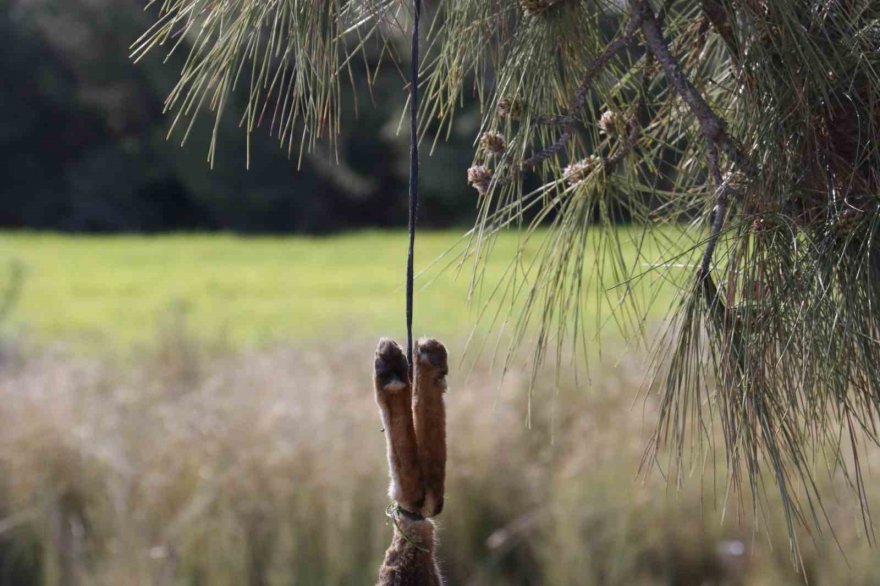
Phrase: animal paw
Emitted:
{"points": [[431, 353], [391, 369]]}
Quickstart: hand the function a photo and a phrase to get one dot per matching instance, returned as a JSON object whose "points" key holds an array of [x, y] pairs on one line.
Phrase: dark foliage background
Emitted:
{"points": [[82, 140]]}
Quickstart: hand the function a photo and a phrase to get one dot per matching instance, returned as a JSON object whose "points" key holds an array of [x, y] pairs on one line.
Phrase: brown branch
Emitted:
{"points": [[595, 68], [715, 12], [712, 127], [719, 212], [557, 120]]}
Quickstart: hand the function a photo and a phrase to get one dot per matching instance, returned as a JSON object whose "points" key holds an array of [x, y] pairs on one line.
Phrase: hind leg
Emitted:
{"points": [[394, 398], [430, 420]]}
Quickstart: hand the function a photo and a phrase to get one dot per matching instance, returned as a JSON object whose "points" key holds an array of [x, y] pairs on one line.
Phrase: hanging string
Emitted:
{"points": [[413, 177]]}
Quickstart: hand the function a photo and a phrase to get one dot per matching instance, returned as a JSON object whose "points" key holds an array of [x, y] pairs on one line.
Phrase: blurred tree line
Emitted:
{"points": [[83, 141]]}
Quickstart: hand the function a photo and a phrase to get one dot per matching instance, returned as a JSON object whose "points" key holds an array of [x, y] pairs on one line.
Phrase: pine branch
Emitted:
{"points": [[638, 120], [712, 126], [594, 69], [629, 138], [714, 11]]}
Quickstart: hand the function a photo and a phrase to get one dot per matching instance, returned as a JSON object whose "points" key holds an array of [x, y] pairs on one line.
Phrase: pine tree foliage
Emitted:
{"points": [[752, 123]]}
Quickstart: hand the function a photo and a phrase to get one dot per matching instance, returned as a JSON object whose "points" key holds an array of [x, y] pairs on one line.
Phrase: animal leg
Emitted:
{"points": [[394, 398], [430, 420]]}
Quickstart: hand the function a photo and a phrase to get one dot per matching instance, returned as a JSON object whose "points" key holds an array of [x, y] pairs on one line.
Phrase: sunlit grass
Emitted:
{"points": [[100, 291]]}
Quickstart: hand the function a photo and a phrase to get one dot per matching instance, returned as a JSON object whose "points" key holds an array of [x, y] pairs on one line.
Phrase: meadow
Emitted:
{"points": [[111, 291], [197, 411]]}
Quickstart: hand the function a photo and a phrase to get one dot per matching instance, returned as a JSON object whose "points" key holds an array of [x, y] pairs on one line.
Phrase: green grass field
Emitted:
{"points": [[114, 291]]}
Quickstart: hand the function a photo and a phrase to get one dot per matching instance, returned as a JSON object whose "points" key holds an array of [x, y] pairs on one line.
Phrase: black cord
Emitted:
{"points": [[413, 178]]}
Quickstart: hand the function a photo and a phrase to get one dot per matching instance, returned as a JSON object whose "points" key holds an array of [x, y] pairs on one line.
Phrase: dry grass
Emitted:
{"points": [[267, 468]]}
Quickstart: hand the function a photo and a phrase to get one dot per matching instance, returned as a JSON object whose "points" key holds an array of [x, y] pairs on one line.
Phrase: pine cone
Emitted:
{"points": [[493, 142], [508, 108], [611, 123], [578, 172], [480, 177]]}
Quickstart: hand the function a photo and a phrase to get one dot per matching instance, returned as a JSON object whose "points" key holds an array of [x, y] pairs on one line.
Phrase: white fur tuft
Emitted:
{"points": [[395, 385]]}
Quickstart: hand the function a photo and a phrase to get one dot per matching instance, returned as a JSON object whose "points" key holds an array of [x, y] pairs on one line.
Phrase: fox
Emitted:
{"points": [[413, 413]]}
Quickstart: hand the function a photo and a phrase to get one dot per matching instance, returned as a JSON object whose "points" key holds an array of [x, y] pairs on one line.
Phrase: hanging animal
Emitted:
{"points": [[414, 419]]}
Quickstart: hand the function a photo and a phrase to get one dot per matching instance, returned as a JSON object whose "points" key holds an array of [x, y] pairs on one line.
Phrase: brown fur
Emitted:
{"points": [[410, 561], [394, 397], [430, 420]]}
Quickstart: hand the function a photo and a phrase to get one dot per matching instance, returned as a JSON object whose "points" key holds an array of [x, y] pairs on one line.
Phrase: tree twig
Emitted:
{"points": [[595, 68], [719, 212], [714, 11], [638, 120], [712, 127]]}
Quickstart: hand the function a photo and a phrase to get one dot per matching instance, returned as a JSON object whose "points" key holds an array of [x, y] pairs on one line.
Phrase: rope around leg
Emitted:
{"points": [[393, 511]]}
